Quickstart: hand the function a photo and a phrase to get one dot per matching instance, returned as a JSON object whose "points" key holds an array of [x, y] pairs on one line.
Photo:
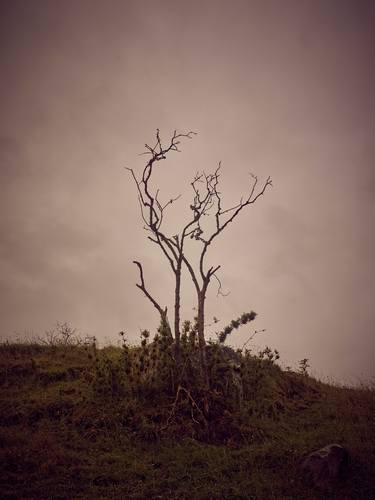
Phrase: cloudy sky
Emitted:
{"points": [[279, 88]]}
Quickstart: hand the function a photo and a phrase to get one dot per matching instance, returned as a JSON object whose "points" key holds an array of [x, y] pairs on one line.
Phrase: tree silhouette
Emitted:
{"points": [[207, 201]]}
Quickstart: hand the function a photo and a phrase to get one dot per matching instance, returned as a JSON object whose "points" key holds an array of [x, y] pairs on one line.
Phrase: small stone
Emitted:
{"points": [[326, 466]]}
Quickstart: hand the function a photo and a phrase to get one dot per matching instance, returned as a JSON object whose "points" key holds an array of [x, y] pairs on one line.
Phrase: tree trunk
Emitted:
{"points": [[201, 339], [177, 306], [165, 322]]}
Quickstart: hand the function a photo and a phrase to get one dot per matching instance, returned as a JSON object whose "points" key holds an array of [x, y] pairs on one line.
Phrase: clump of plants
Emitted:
{"points": [[172, 395]]}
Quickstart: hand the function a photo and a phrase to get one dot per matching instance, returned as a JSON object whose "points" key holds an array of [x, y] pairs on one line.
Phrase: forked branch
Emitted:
{"points": [[142, 286]]}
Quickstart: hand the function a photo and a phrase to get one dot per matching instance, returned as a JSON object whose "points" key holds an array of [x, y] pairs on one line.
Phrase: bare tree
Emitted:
{"points": [[207, 201]]}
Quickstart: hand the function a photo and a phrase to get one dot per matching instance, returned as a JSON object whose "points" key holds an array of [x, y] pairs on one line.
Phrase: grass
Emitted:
{"points": [[62, 437]]}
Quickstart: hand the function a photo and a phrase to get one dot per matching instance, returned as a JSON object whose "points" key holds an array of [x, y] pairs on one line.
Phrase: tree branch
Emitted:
{"points": [[220, 226], [141, 286], [219, 289]]}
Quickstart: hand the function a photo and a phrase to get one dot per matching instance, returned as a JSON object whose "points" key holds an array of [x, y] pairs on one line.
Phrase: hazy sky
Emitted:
{"points": [[275, 87]]}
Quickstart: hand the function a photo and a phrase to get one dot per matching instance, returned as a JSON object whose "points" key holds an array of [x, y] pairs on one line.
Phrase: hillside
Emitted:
{"points": [[73, 426]]}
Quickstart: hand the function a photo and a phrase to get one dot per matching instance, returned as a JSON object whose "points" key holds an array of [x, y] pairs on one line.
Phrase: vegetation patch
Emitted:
{"points": [[124, 423]]}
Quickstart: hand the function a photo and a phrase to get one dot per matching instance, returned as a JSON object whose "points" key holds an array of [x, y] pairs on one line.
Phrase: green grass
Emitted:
{"points": [[61, 437]]}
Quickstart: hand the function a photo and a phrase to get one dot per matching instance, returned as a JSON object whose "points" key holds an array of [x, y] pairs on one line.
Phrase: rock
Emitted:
{"points": [[326, 466]]}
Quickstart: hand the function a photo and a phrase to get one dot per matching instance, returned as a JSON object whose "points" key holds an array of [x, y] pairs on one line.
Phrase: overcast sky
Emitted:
{"points": [[280, 88]]}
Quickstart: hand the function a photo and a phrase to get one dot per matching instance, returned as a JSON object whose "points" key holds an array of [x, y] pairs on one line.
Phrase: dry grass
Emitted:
{"points": [[61, 437]]}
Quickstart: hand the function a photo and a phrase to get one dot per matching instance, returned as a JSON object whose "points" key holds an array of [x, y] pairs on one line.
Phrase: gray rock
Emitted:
{"points": [[326, 466]]}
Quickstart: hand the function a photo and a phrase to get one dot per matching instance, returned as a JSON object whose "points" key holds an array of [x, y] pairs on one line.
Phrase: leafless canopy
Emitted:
{"points": [[206, 201]]}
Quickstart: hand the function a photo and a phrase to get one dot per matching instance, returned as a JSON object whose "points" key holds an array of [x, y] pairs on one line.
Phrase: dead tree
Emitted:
{"points": [[207, 201]]}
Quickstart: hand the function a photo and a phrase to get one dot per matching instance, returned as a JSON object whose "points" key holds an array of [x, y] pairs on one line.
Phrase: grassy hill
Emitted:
{"points": [[77, 422]]}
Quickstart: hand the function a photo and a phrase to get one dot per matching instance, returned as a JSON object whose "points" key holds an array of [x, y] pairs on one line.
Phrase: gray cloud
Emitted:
{"points": [[281, 89]]}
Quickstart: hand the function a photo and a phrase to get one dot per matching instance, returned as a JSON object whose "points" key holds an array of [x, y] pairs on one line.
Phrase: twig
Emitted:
{"points": [[193, 403], [251, 337]]}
